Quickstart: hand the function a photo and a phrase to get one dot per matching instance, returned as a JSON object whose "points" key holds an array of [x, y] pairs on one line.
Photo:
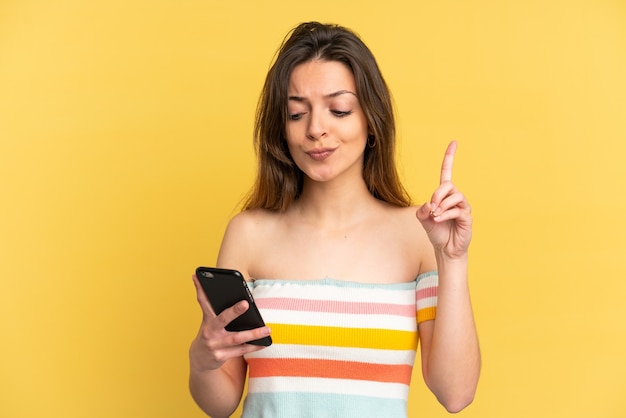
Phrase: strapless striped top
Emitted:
{"points": [[340, 349]]}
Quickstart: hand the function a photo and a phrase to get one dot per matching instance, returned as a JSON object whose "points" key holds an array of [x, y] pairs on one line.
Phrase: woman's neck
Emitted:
{"points": [[334, 205]]}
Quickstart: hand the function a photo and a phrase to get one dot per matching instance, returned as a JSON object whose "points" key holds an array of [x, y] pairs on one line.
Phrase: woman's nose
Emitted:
{"points": [[316, 127]]}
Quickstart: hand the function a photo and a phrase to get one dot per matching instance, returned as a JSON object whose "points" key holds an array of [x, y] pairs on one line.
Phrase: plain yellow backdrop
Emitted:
{"points": [[125, 147]]}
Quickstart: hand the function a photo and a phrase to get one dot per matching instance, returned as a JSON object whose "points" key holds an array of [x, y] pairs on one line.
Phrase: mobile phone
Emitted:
{"points": [[224, 288]]}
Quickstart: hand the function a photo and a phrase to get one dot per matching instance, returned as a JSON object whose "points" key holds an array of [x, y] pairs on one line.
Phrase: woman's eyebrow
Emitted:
{"points": [[340, 92], [330, 95]]}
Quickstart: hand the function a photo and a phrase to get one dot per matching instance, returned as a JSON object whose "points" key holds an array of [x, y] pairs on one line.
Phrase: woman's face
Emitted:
{"points": [[326, 128]]}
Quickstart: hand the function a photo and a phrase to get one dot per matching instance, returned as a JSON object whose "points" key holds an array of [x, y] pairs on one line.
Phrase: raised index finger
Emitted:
{"points": [[446, 166]]}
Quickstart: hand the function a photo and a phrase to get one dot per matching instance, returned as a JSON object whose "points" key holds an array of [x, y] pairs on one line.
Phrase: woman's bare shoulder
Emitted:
{"points": [[241, 238], [247, 219], [248, 225], [410, 231], [253, 221], [403, 217]]}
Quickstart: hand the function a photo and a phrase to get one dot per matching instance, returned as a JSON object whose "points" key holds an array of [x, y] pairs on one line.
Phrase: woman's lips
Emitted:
{"points": [[320, 154]]}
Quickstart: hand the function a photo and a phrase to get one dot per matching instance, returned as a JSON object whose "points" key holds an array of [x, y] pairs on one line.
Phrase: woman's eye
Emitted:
{"points": [[341, 113], [295, 116]]}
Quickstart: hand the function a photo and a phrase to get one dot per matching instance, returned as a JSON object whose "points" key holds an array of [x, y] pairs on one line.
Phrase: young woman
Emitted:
{"points": [[347, 274]]}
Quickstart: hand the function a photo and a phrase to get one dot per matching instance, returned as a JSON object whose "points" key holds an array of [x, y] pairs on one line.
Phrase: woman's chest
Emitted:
{"points": [[362, 257]]}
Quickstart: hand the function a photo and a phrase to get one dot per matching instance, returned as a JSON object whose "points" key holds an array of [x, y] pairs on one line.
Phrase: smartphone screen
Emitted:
{"points": [[224, 288]]}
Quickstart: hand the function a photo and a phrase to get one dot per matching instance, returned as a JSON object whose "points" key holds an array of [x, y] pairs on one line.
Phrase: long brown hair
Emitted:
{"points": [[279, 181]]}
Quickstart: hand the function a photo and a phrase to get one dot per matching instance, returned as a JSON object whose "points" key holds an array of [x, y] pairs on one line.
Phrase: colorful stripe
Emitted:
{"points": [[331, 369], [379, 356], [426, 296], [385, 339], [312, 318], [335, 306], [333, 290], [321, 405], [317, 385]]}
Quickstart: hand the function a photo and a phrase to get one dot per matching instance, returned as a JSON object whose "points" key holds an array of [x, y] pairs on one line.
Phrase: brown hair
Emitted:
{"points": [[279, 181]]}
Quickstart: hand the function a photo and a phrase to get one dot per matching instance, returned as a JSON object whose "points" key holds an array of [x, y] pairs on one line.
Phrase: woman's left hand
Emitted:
{"points": [[447, 218]]}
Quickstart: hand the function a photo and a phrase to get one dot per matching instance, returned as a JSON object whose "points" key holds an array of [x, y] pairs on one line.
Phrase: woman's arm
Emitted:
{"points": [[217, 367], [450, 351]]}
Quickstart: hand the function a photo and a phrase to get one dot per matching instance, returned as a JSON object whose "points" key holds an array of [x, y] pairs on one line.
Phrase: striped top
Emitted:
{"points": [[340, 349]]}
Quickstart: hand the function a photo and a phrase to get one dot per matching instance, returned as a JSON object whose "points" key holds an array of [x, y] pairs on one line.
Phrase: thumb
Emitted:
{"points": [[203, 301], [423, 215]]}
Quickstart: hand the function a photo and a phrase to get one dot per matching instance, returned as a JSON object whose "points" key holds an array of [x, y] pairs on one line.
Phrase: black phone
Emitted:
{"points": [[224, 288]]}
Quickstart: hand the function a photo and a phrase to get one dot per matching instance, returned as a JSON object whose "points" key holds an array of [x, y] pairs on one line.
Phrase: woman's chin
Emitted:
{"points": [[320, 176]]}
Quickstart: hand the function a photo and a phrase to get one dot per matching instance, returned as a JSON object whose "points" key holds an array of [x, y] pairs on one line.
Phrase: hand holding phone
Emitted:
{"points": [[225, 288]]}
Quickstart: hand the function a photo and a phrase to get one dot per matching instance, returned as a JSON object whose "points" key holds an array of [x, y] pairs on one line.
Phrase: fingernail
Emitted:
{"points": [[266, 331]]}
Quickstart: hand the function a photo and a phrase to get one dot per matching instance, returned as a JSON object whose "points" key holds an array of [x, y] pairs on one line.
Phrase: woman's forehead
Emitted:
{"points": [[321, 78]]}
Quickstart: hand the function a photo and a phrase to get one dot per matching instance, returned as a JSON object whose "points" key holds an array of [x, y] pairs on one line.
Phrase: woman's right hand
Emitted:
{"points": [[214, 345]]}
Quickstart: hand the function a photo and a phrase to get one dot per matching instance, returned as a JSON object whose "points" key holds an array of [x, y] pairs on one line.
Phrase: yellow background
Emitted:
{"points": [[125, 148]]}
